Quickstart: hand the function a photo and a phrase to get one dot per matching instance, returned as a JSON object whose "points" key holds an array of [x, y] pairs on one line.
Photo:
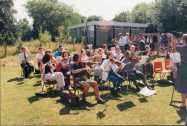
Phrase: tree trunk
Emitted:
{"points": [[5, 49]]}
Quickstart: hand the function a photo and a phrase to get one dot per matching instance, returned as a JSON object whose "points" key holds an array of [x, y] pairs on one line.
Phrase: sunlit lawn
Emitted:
{"points": [[20, 106]]}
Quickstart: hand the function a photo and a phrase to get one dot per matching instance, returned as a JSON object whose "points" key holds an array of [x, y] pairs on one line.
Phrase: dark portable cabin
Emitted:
{"points": [[99, 32]]}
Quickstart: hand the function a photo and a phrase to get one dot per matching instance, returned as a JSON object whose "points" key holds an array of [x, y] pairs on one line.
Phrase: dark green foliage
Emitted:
{"points": [[162, 15], [7, 22], [94, 18], [171, 15], [151, 29], [141, 13], [122, 17], [24, 30], [48, 15]]}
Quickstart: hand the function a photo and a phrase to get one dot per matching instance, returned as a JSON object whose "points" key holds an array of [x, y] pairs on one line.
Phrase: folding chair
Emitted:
{"points": [[47, 84], [157, 68], [167, 68], [74, 86]]}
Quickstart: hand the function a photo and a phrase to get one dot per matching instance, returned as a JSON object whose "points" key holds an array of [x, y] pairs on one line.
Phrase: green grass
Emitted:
{"points": [[20, 106]]}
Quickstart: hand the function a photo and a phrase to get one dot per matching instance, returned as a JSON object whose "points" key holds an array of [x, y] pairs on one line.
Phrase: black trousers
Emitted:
{"points": [[27, 70]]}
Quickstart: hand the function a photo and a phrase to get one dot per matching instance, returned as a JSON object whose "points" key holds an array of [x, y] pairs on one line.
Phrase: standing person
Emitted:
{"points": [[181, 79], [25, 62], [123, 41]]}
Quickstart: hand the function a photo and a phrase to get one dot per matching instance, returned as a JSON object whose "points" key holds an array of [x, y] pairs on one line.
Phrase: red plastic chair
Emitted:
{"points": [[157, 68], [167, 69], [167, 64]]}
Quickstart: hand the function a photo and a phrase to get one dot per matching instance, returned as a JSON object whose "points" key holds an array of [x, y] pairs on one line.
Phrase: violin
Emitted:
{"points": [[90, 67]]}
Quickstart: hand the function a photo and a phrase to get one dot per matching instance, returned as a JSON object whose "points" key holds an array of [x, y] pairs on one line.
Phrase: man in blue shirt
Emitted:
{"points": [[59, 51]]}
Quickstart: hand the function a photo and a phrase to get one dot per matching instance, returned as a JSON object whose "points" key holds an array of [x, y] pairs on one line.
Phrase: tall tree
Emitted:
{"points": [[94, 18], [122, 17], [48, 15], [24, 29], [141, 13], [7, 22], [171, 15], [182, 15]]}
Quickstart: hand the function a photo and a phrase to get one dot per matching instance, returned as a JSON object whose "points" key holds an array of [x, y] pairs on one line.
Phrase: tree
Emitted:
{"points": [[7, 22], [141, 13], [24, 30], [151, 28], [48, 15], [122, 17], [182, 15], [171, 15], [83, 19], [94, 18], [44, 37]]}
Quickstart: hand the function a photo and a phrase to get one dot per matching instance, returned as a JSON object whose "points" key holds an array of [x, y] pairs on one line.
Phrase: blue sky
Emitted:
{"points": [[105, 8]]}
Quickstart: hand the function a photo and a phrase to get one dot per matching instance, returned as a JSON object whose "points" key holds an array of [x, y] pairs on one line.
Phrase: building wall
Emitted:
{"points": [[102, 34]]}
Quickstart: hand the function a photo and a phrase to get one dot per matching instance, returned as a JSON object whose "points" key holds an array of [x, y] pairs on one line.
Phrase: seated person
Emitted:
{"points": [[59, 52], [25, 62], [126, 59], [152, 51], [114, 75], [48, 73], [122, 71], [106, 67], [98, 58], [162, 52], [83, 56], [101, 53], [104, 47], [119, 54], [63, 65], [80, 77], [113, 51], [39, 56]]}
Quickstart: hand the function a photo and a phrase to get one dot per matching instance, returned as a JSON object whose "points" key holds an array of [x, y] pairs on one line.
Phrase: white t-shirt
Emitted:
{"points": [[39, 56], [123, 41], [22, 59], [106, 65], [175, 57]]}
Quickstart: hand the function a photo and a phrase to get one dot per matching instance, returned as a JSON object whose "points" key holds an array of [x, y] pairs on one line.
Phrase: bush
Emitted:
{"points": [[44, 37]]}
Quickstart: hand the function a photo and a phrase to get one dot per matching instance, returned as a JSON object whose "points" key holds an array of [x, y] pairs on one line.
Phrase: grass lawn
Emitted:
{"points": [[20, 106]]}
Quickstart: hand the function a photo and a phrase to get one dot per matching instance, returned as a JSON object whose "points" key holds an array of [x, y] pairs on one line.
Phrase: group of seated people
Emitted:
{"points": [[92, 66]]}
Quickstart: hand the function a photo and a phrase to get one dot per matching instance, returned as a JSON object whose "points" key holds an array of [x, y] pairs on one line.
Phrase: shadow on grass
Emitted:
{"points": [[17, 79], [33, 99], [20, 83], [37, 75], [128, 91], [125, 105], [143, 100], [164, 83], [74, 108], [182, 112], [39, 96], [38, 83], [108, 97]]}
